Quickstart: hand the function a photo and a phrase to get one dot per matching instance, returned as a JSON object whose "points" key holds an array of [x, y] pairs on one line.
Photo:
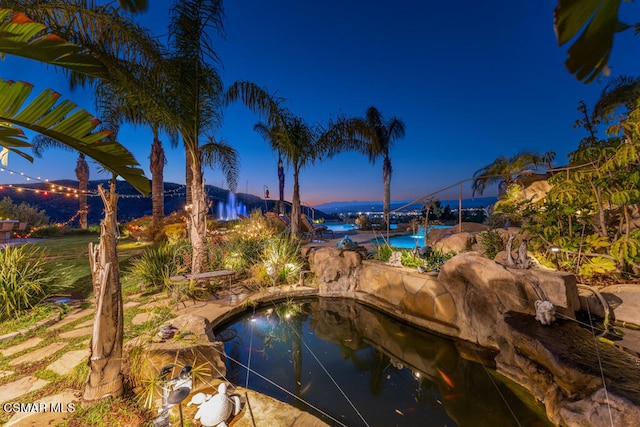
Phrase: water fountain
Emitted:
{"points": [[231, 209]]}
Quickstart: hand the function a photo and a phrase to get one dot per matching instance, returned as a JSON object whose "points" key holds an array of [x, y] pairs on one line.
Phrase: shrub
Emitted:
{"points": [[23, 212], [24, 279], [244, 245], [435, 259], [157, 264], [411, 260], [491, 243], [282, 260], [383, 253]]}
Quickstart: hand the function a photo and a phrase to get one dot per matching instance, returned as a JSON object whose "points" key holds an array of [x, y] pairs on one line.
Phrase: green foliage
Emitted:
{"points": [[23, 213], [410, 259], [436, 259], [157, 264], [172, 228], [282, 260], [383, 253], [24, 279], [591, 25], [597, 266], [491, 243], [243, 247]]}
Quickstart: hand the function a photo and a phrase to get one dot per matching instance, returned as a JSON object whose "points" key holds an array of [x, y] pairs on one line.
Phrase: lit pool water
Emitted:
{"points": [[408, 241], [351, 365]]}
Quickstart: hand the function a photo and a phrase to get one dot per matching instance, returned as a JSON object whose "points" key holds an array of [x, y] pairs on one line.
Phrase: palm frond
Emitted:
{"points": [[64, 122], [216, 153], [623, 91], [25, 38], [258, 100]]}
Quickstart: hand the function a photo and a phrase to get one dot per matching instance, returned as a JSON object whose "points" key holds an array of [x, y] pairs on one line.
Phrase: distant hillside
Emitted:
{"points": [[60, 207], [376, 206]]}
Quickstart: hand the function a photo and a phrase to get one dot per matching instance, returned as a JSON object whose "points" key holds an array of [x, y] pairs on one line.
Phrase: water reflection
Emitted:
{"points": [[362, 367]]}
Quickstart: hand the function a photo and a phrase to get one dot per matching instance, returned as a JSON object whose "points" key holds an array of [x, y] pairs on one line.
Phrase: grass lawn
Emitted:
{"points": [[69, 258]]}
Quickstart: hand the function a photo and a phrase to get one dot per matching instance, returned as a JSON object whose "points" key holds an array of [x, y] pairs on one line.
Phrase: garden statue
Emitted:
{"points": [[545, 312], [346, 243], [214, 411]]}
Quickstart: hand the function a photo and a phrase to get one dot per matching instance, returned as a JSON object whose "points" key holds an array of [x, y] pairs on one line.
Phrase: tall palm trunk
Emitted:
{"points": [[198, 216], [281, 208], [156, 165], [386, 177], [105, 357], [188, 177], [82, 173], [295, 202]]}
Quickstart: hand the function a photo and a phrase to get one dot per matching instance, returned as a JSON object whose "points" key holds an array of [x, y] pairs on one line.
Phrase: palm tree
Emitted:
{"points": [[298, 144], [379, 134], [270, 135], [196, 90], [503, 171]]}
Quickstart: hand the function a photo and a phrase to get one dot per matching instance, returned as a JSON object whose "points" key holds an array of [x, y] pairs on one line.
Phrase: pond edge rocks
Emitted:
{"points": [[486, 304]]}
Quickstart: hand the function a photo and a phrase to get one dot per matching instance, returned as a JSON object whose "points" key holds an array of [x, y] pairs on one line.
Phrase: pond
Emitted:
{"points": [[351, 365]]}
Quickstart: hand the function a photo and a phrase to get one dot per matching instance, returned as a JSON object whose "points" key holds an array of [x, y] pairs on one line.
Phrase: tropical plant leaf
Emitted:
{"points": [[20, 36], [598, 21], [64, 122], [597, 265]]}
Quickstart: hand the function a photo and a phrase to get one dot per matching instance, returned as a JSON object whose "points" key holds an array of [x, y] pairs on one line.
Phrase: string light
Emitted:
{"points": [[60, 189]]}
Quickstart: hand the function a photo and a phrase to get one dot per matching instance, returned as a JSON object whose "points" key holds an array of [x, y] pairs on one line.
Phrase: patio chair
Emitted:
{"points": [[313, 230], [277, 220]]}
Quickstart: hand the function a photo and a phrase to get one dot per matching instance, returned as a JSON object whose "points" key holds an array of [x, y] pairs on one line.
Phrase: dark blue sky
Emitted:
{"points": [[471, 80]]}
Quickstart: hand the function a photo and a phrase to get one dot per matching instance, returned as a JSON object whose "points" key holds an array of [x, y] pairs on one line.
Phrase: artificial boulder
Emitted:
{"points": [[485, 290], [336, 269], [458, 242], [192, 344]]}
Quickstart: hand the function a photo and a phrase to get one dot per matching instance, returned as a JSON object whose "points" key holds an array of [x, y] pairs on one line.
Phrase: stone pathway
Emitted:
{"points": [[31, 351]]}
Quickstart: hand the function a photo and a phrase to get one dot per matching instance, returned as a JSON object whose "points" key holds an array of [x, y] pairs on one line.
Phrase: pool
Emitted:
{"points": [[340, 226], [351, 365], [408, 241]]}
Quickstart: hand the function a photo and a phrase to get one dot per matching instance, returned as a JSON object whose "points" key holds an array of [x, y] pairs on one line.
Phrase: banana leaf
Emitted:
{"points": [[63, 121]]}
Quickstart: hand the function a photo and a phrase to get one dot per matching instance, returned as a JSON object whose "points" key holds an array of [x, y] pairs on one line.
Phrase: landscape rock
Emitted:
{"points": [[336, 269], [458, 242], [561, 366]]}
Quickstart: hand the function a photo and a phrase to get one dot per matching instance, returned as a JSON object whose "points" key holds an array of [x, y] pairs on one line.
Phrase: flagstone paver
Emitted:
{"points": [[74, 333], [5, 373], [49, 320], [31, 342], [140, 318], [58, 407], [131, 304], [85, 324], [19, 387], [39, 354], [164, 302], [70, 360], [72, 317]]}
